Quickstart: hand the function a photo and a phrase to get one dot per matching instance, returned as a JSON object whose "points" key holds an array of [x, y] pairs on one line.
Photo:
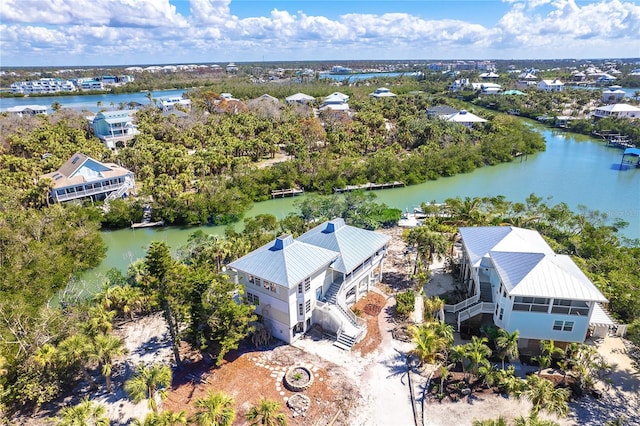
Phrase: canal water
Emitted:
{"points": [[574, 169], [88, 102]]}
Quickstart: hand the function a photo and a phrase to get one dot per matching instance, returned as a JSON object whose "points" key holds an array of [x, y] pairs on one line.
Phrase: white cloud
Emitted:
{"points": [[117, 31]]}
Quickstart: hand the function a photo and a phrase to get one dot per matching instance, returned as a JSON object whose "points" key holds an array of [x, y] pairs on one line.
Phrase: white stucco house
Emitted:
{"points": [[465, 118], [299, 98], [27, 110], [554, 85], [617, 111], [296, 283], [335, 102], [382, 92], [171, 103], [613, 95], [515, 278]]}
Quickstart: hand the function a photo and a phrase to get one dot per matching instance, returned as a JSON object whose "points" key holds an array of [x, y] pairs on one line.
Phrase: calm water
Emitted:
{"points": [[363, 76], [574, 169], [88, 102]]}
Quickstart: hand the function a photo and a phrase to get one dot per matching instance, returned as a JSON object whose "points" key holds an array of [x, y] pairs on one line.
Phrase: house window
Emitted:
{"points": [[570, 307], [563, 325], [300, 288], [307, 306], [531, 304], [307, 284], [501, 314], [251, 279], [268, 285], [300, 309], [253, 299]]}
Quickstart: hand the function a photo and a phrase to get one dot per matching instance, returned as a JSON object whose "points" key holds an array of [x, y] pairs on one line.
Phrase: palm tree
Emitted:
{"points": [[216, 409], [266, 413], [105, 348], [507, 344], [148, 383], [544, 396], [84, 414], [429, 345], [428, 244], [45, 356], [533, 420], [433, 307], [167, 418], [500, 421], [459, 354], [477, 354]]}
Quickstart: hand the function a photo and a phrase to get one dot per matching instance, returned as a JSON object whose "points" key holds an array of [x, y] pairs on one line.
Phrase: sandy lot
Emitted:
{"points": [[367, 386]]}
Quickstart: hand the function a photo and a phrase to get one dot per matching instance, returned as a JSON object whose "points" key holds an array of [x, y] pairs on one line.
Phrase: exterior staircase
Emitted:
{"points": [[352, 326], [118, 193]]}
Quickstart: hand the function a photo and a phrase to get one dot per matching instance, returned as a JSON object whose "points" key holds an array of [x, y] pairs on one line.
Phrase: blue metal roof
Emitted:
{"points": [[285, 261], [355, 245], [632, 151]]}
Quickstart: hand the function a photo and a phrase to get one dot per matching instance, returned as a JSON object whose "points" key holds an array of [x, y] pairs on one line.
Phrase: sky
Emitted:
{"points": [[138, 32]]}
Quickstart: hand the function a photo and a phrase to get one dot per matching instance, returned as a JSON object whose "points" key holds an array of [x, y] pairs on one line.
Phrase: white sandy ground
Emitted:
{"points": [[382, 377]]}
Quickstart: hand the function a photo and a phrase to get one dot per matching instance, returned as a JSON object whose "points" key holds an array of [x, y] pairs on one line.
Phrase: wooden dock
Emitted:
{"points": [[146, 224], [368, 186], [291, 192]]}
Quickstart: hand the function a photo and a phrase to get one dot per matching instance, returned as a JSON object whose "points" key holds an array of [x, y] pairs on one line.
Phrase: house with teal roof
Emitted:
{"points": [[313, 279], [114, 127]]}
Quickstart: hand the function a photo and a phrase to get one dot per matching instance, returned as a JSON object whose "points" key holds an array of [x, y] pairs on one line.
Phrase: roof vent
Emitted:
{"points": [[281, 242]]}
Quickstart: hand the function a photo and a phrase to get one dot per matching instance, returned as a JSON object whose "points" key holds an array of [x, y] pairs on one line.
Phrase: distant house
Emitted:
{"points": [[515, 278], [296, 283], [339, 69], [27, 110], [114, 127], [382, 92], [613, 95], [465, 118], [489, 75], [441, 111], [299, 98], [490, 88], [336, 102], [554, 85], [82, 177], [464, 84], [171, 103], [232, 67], [617, 111]]}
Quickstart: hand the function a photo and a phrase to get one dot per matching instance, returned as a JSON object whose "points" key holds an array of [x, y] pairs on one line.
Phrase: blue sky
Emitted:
{"points": [[123, 32]]}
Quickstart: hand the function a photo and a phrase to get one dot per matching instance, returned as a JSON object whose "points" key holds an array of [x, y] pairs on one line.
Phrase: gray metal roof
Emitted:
{"points": [[355, 245], [544, 275], [479, 241], [285, 261]]}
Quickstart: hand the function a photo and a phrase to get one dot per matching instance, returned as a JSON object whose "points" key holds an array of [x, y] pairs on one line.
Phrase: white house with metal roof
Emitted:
{"points": [[83, 177], [465, 118], [300, 98], [27, 110], [335, 102], [382, 92], [295, 283], [514, 276], [617, 111]]}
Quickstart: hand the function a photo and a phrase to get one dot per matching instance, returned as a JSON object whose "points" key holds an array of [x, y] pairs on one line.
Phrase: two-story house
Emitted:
{"points": [[114, 127], [295, 283], [514, 277], [82, 177]]}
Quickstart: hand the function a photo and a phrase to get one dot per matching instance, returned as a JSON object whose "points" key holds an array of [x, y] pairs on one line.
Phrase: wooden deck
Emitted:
{"points": [[291, 192], [368, 186]]}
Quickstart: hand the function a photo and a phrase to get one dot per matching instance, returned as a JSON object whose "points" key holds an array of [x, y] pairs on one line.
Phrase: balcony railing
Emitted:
{"points": [[87, 192]]}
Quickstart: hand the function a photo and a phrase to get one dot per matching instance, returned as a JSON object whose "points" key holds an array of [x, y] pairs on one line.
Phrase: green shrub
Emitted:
{"points": [[405, 303]]}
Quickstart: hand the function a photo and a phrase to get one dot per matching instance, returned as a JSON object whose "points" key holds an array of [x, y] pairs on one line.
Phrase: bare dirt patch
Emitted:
{"points": [[369, 308], [254, 374]]}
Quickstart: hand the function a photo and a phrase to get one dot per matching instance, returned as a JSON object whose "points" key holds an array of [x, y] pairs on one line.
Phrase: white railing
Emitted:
{"points": [[86, 192], [472, 311], [463, 305]]}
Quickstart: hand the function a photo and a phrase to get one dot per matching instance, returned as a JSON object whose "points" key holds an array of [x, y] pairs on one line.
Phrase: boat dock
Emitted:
{"points": [[146, 224], [633, 159], [368, 186], [617, 140], [291, 192]]}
